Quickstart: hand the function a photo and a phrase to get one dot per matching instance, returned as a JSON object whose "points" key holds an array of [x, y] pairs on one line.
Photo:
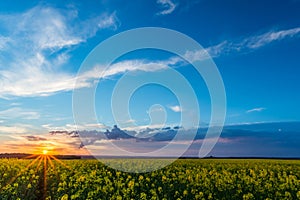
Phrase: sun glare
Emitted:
{"points": [[45, 151]]}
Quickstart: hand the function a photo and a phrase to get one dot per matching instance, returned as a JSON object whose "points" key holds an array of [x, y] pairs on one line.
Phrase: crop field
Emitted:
{"points": [[48, 178]]}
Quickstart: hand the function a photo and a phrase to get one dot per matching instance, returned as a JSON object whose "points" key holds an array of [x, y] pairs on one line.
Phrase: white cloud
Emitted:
{"points": [[15, 104], [12, 129], [33, 80], [3, 42], [121, 67], [15, 129], [224, 47], [90, 27], [142, 128], [256, 110], [266, 38], [37, 44], [74, 127], [167, 5], [209, 52], [88, 77], [176, 108], [246, 44], [109, 21], [17, 112], [42, 28]]}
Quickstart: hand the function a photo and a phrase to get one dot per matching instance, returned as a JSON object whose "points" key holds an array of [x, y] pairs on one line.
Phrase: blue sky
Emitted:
{"points": [[43, 44]]}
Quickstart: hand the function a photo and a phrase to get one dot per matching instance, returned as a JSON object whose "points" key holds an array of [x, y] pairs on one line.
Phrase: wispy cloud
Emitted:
{"points": [[55, 144], [75, 127], [37, 44], [109, 21], [242, 45], [232, 138], [256, 110], [266, 38], [15, 104], [209, 52], [167, 5], [17, 129], [3, 42], [224, 48], [34, 138], [17, 112], [121, 67], [176, 108]]}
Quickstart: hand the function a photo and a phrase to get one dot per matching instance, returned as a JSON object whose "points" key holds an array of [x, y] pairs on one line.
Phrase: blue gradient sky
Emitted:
{"points": [[255, 46]]}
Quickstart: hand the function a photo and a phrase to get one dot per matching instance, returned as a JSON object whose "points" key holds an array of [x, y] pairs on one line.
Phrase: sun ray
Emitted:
{"points": [[31, 156], [42, 159], [45, 177], [39, 164], [50, 162], [59, 161], [21, 172], [36, 171], [53, 166]]}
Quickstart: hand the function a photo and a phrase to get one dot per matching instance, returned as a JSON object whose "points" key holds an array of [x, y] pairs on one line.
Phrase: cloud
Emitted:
{"points": [[36, 44], [90, 27], [75, 127], [176, 108], [3, 42], [258, 139], [15, 104], [89, 77], [241, 45], [34, 138], [256, 110], [167, 5], [266, 38], [223, 48], [16, 112], [212, 51], [122, 67], [12, 129], [46, 27], [232, 139], [39, 41], [109, 21], [55, 144]]}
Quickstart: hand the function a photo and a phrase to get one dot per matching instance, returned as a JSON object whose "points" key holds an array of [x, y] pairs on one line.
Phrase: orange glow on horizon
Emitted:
{"points": [[41, 149]]}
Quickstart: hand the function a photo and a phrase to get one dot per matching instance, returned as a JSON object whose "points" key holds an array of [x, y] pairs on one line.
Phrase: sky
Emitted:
{"points": [[255, 46]]}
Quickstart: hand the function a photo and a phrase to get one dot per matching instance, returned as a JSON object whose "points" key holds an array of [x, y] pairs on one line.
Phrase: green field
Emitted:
{"points": [[46, 178]]}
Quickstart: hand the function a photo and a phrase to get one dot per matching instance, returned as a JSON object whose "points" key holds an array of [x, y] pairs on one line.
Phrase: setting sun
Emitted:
{"points": [[45, 151]]}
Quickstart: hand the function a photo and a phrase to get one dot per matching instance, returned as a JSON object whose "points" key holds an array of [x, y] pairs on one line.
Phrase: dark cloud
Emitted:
{"points": [[263, 139], [70, 133], [280, 139], [34, 138]]}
